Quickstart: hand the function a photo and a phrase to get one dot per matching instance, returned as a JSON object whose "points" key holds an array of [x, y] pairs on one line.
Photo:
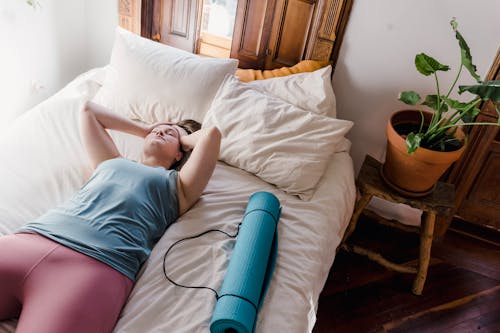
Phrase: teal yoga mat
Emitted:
{"points": [[250, 267]]}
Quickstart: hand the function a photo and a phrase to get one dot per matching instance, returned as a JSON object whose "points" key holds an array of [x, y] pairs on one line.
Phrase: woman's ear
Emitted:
{"points": [[179, 156]]}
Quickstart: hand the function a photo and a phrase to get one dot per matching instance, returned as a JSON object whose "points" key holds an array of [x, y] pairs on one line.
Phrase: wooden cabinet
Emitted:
{"points": [[276, 33], [476, 175], [481, 202], [267, 33]]}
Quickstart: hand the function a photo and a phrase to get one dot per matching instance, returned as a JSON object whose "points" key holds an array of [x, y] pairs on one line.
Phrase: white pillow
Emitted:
{"points": [[311, 91], [153, 82], [277, 141]]}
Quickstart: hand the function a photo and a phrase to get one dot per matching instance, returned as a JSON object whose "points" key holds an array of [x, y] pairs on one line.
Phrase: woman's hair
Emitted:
{"points": [[190, 126]]}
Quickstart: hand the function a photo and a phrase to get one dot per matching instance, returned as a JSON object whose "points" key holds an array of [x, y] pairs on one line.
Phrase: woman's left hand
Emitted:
{"points": [[148, 128]]}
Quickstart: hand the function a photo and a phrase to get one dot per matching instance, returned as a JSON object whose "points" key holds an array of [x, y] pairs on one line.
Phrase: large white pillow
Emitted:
{"points": [[153, 82], [275, 140], [311, 91]]}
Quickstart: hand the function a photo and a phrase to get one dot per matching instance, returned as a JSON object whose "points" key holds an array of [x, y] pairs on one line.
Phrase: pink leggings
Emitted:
{"points": [[52, 288]]}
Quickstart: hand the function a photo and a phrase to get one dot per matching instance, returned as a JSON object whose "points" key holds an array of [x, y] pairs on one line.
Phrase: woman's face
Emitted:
{"points": [[164, 141]]}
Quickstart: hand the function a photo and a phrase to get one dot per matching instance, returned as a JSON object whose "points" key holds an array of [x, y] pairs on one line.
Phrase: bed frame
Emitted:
{"points": [[267, 33]]}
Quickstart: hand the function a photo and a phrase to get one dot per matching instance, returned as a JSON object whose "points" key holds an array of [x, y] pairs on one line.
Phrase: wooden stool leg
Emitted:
{"points": [[358, 209], [426, 235]]}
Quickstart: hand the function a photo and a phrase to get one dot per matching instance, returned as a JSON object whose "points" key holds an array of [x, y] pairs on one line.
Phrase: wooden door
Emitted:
{"points": [[252, 29], [291, 29], [179, 23]]}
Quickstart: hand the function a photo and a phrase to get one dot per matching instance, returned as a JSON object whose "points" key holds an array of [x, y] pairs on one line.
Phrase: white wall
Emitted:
{"points": [[101, 19], [377, 54], [43, 49]]}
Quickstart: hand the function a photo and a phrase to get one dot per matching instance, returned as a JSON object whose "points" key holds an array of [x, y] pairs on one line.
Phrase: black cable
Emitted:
{"points": [[193, 237], [217, 296]]}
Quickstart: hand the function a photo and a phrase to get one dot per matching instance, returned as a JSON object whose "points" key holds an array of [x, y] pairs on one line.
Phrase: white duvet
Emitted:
{"points": [[43, 163]]}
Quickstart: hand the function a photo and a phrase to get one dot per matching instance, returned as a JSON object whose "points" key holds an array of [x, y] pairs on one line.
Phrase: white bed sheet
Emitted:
{"points": [[43, 163]]}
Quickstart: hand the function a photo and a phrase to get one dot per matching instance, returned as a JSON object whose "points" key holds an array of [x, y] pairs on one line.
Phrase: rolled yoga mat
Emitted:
{"points": [[250, 267]]}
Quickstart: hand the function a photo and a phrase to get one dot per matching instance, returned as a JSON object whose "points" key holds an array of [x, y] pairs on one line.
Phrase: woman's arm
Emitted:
{"points": [[95, 119], [196, 173]]}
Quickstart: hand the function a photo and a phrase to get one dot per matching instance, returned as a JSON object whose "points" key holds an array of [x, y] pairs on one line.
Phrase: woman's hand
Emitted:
{"points": [[185, 141], [148, 128], [95, 120], [186, 145]]}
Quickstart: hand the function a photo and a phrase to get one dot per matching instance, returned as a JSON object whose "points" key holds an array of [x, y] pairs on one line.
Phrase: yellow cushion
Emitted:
{"points": [[247, 75]]}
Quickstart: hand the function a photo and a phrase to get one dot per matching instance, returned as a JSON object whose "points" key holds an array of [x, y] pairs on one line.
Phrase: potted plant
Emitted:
{"points": [[421, 145]]}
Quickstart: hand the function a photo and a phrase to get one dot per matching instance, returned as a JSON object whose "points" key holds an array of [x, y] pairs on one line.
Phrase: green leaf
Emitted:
{"points": [[465, 52], [409, 97], [468, 111], [428, 65], [454, 104], [470, 115], [413, 142], [487, 90], [432, 102], [454, 23], [460, 106]]}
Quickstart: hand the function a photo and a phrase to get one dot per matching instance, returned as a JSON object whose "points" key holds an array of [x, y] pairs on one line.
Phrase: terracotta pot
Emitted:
{"points": [[414, 175]]}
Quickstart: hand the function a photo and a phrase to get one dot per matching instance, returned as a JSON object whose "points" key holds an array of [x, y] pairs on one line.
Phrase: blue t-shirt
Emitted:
{"points": [[117, 216]]}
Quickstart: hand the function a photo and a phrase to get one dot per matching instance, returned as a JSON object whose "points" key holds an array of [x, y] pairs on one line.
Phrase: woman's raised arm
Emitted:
{"points": [[95, 119], [195, 174]]}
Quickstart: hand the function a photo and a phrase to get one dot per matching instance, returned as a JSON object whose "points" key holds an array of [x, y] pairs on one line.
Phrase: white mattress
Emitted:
{"points": [[43, 163]]}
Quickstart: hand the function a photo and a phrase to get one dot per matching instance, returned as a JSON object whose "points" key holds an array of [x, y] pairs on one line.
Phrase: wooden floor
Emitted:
{"points": [[461, 294]]}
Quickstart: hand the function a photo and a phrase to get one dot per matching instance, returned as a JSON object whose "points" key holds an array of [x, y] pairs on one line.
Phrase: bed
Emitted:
{"points": [[44, 163]]}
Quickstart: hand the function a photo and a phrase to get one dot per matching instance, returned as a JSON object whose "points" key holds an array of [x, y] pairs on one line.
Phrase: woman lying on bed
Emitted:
{"points": [[72, 269]]}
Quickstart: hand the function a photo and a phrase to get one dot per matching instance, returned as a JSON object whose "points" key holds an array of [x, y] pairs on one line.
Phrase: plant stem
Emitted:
{"points": [[435, 117], [435, 134], [456, 80], [454, 121], [444, 129], [438, 96], [433, 126], [421, 121], [437, 142], [468, 124], [437, 130]]}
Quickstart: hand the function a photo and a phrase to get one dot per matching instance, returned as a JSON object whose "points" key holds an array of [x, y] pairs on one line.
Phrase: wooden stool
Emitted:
{"points": [[439, 202]]}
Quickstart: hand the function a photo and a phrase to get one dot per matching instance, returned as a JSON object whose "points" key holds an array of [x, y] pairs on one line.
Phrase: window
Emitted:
{"points": [[267, 33], [216, 31]]}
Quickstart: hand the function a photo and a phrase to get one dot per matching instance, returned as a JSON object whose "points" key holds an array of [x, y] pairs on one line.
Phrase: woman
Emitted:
{"points": [[72, 269]]}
